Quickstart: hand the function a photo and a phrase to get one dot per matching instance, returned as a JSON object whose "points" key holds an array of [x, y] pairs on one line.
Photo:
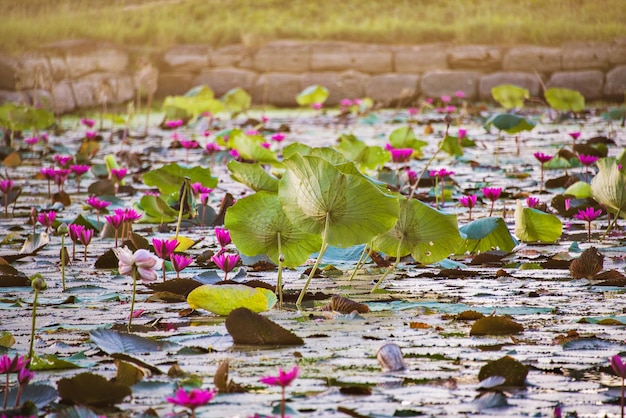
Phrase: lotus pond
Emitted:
{"points": [[338, 182]]}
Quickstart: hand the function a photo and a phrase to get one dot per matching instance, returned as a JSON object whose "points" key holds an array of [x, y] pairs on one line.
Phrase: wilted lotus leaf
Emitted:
{"points": [[344, 305], [34, 243], [610, 278], [512, 370], [469, 316], [11, 277], [222, 300], [223, 383], [496, 325], [247, 327], [176, 286], [127, 373], [92, 389], [587, 265]]}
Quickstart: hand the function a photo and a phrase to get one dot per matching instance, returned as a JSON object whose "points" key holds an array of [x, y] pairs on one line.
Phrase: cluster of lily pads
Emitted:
{"points": [[304, 199]]}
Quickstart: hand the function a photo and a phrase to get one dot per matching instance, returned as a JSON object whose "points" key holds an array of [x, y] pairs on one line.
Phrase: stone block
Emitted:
{"points": [[475, 57], [532, 58], [421, 58], [343, 56], [84, 57], [25, 72], [63, 97], [193, 58], [283, 56], [528, 81], [391, 88], [615, 83], [344, 85], [232, 56], [220, 80], [40, 98], [617, 51], [17, 97], [100, 88], [278, 89], [588, 83], [585, 56], [448, 82], [174, 83]]}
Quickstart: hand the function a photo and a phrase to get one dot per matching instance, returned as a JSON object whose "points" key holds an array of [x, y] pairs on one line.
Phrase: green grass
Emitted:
{"points": [[163, 23]]}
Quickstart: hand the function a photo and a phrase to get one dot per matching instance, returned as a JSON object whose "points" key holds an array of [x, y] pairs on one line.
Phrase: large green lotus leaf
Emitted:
{"points": [[452, 146], [250, 149], [255, 223], [565, 100], [368, 157], [427, 234], [196, 101], [608, 187], [580, 190], [237, 100], [486, 234], [329, 154], [170, 177], [318, 197], [532, 225], [404, 137], [312, 94], [510, 96], [156, 208], [510, 123], [253, 176], [222, 299]]}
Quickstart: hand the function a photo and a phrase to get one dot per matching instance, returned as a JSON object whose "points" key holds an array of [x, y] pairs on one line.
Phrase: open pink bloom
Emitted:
{"points": [[62, 160], [6, 185], [234, 153], [198, 188], [278, 137], [459, 93], [14, 365], [492, 193], [446, 99], [226, 262], [345, 103], [61, 175], [118, 174], [129, 214], [31, 141], [86, 234], [188, 144], [587, 214], [543, 158], [91, 134], [75, 231], [143, 261], [212, 148], [468, 201], [47, 219], [266, 145], [180, 261], [442, 172], [174, 123], [574, 135], [412, 111], [47, 173], [96, 203], [164, 247], [587, 159], [618, 366], [192, 399], [115, 220], [411, 176], [283, 379], [223, 236], [24, 376], [531, 202], [401, 155], [90, 123], [79, 169], [462, 133]]}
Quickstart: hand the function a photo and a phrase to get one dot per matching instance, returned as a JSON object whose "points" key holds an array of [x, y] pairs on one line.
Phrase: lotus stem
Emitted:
{"points": [[132, 303], [279, 279], [611, 225], [180, 211], [366, 251], [63, 261], [317, 262], [414, 187], [390, 269], [31, 349], [622, 400], [6, 391]]}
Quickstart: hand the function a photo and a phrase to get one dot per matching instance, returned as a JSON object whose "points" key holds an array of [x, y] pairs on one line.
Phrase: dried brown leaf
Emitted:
{"points": [[587, 265]]}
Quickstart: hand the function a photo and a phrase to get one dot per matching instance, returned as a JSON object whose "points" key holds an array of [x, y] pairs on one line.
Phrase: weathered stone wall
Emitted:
{"points": [[77, 74]]}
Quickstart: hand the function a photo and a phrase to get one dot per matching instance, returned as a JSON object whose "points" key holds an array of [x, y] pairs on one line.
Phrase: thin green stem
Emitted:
{"points": [[282, 405], [611, 225], [132, 303], [317, 262], [279, 279], [63, 261], [366, 251], [31, 349], [390, 269], [6, 391], [180, 211]]}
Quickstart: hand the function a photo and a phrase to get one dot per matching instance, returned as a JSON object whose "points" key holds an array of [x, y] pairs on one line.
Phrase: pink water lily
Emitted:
{"points": [[173, 124], [588, 214], [223, 236], [180, 262], [283, 380], [531, 202], [192, 399], [226, 262], [469, 202], [85, 236], [90, 123], [47, 219], [278, 137], [62, 160], [401, 155], [118, 174], [493, 194], [620, 369]]}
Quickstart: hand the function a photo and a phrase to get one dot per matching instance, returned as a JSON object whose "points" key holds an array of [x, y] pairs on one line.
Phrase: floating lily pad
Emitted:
{"points": [[249, 328], [512, 370], [222, 300], [111, 341], [496, 325], [92, 389]]}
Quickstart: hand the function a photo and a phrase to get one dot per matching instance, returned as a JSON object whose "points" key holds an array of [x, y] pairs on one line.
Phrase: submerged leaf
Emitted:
{"points": [[247, 327], [223, 299]]}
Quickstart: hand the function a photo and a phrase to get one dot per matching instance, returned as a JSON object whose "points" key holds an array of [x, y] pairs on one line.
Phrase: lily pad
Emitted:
{"points": [[223, 299], [92, 389], [249, 328], [111, 342], [512, 370], [496, 325]]}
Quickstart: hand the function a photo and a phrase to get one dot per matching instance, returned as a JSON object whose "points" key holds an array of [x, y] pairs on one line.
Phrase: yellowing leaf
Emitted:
{"points": [[184, 243], [222, 299], [12, 160]]}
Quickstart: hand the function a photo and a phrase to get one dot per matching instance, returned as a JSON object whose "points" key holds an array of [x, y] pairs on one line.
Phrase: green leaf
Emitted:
{"points": [[222, 299], [510, 96], [237, 100], [565, 100], [311, 95], [368, 157], [452, 146], [156, 208], [425, 233], [533, 225], [608, 187], [509, 123], [111, 342], [253, 176], [250, 149], [329, 154], [51, 362], [6, 339], [255, 223], [404, 137], [169, 178], [580, 190], [196, 101], [486, 234], [319, 198]]}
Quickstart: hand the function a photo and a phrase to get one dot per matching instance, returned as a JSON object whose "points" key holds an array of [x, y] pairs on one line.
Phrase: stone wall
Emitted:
{"points": [[79, 74]]}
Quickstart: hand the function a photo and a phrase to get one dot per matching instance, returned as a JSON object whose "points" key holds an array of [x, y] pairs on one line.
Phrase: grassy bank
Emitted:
{"points": [[163, 23]]}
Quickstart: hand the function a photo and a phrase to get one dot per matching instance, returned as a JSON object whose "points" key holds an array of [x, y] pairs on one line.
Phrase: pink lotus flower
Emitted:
{"points": [[317, 106], [283, 379], [8, 365], [173, 124], [62, 160], [411, 176], [6, 186], [143, 262], [469, 202], [192, 399], [90, 123], [588, 215], [47, 173], [587, 159], [618, 366], [116, 221], [345, 103], [252, 132], [47, 219], [96, 203], [79, 169], [401, 155], [212, 148], [446, 99], [493, 194], [226, 262], [442, 172], [531, 202], [462, 133], [197, 188], [543, 158], [459, 93], [223, 236], [91, 135], [235, 154], [31, 140], [118, 174], [412, 111], [574, 135], [24, 376], [180, 262], [278, 137], [189, 144], [266, 145], [164, 248], [60, 177], [86, 234]]}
